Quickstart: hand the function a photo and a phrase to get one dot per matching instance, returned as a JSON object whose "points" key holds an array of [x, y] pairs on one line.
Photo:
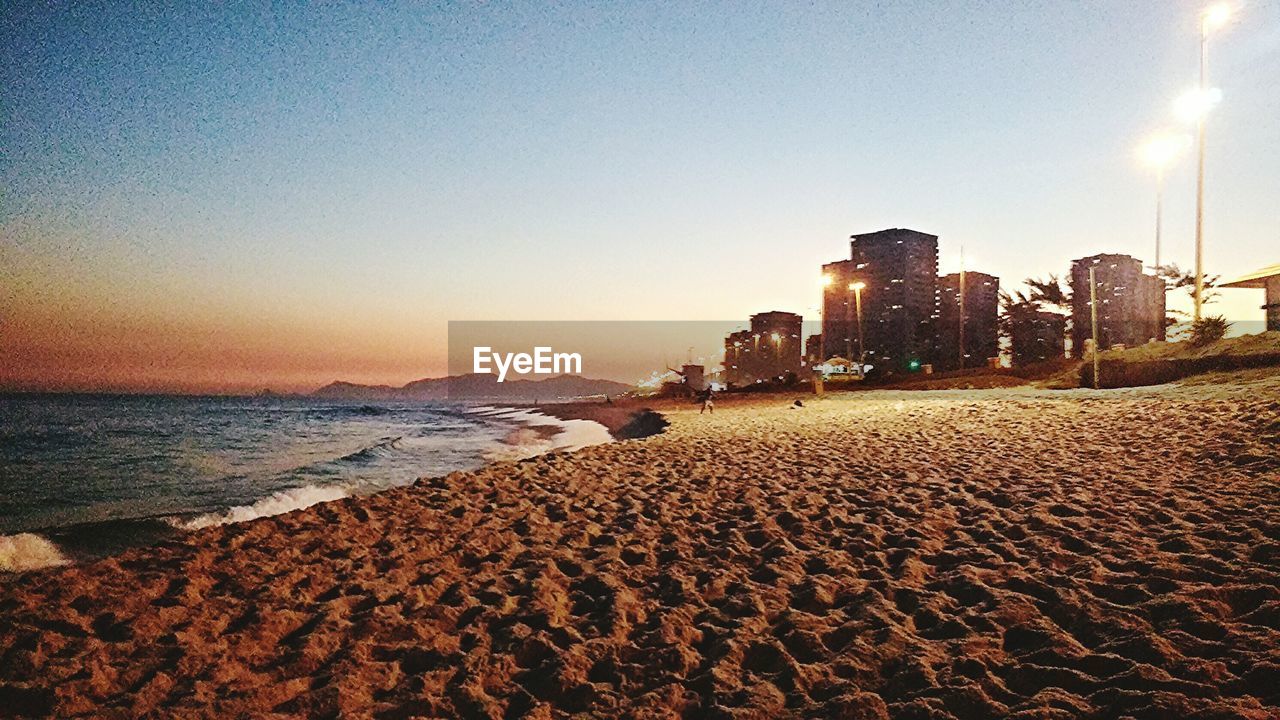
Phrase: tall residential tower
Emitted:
{"points": [[981, 320], [1131, 306], [899, 270]]}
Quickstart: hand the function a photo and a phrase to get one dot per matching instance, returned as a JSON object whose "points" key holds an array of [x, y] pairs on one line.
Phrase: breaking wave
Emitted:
{"points": [[528, 433], [540, 434], [372, 452], [28, 551], [277, 503], [534, 435]]}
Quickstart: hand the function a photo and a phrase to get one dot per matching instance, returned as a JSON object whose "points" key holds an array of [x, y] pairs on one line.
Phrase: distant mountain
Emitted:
{"points": [[476, 386], [352, 391]]}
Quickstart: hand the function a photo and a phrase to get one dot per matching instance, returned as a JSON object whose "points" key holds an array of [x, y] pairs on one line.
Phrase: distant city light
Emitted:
{"points": [[827, 280], [1196, 104]]}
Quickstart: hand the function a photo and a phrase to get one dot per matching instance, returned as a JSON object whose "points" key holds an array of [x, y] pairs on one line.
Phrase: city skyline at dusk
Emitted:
{"points": [[623, 360], [209, 199]]}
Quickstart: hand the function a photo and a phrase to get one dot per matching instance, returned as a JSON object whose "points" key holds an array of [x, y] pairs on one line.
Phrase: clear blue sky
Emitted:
{"points": [[345, 178]]}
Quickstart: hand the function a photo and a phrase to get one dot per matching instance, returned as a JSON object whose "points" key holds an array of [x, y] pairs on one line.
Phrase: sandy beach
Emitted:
{"points": [[954, 554]]}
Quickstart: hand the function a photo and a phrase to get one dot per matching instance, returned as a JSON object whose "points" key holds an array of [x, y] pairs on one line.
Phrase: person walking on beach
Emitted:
{"points": [[707, 404]]}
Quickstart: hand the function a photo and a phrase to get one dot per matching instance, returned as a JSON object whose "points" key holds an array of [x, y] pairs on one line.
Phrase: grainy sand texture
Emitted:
{"points": [[952, 554]]}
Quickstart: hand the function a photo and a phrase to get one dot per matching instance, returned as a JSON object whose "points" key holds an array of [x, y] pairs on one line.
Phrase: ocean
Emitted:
{"points": [[84, 476]]}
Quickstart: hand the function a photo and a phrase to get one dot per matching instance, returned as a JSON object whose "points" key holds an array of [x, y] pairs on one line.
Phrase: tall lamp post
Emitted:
{"points": [[1158, 152], [822, 306], [857, 287], [961, 297], [1093, 321], [1212, 19]]}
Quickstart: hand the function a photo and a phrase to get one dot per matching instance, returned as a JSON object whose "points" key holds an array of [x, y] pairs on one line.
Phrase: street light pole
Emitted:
{"points": [[848, 321], [1200, 123], [822, 308], [1159, 204], [862, 352], [1213, 17], [1159, 151], [962, 353], [1093, 321]]}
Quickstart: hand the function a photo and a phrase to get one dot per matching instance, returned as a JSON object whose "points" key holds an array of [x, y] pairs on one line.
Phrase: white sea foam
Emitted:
{"points": [[525, 443], [575, 434], [522, 443], [27, 551], [276, 504]]}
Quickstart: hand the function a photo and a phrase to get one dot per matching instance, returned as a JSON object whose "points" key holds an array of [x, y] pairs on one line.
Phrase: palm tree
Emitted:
{"points": [[1175, 277], [1030, 331], [1050, 291]]}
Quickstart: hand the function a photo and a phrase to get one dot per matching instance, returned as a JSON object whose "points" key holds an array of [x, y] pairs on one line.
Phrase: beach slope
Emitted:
{"points": [[954, 554]]}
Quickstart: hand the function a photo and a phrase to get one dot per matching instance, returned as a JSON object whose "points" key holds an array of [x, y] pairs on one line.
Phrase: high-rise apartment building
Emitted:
{"points": [[898, 270], [771, 350], [981, 320], [1131, 303]]}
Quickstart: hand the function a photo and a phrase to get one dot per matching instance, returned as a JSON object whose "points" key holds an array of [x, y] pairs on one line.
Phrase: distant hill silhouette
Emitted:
{"points": [[476, 386]]}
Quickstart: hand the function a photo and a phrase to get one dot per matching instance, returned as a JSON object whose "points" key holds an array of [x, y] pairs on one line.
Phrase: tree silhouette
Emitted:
{"points": [[1175, 277], [1023, 323], [1049, 291]]}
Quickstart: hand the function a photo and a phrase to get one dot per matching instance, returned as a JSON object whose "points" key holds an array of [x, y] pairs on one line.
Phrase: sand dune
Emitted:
{"points": [[979, 554]]}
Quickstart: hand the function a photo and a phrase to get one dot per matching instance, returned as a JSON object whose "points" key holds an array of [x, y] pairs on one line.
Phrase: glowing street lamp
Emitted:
{"points": [[1194, 105], [857, 287], [1159, 152], [1161, 149], [822, 336], [1213, 18]]}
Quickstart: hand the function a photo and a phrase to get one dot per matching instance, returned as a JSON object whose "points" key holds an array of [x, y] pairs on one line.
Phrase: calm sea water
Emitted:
{"points": [[91, 474]]}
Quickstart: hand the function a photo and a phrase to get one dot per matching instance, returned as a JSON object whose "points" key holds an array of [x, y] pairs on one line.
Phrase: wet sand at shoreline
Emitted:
{"points": [[954, 554]]}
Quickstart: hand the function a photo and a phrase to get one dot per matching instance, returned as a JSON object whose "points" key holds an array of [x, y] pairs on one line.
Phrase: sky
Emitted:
{"points": [[221, 197]]}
